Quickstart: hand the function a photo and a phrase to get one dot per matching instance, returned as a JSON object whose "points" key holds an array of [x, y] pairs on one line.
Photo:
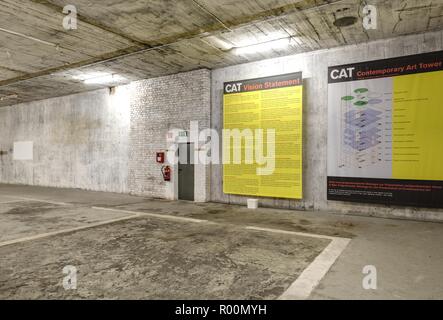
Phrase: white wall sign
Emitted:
{"points": [[23, 150]]}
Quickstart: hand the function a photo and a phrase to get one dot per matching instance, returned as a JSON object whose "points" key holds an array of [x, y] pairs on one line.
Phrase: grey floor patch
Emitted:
{"points": [[7, 199], [149, 258], [30, 218]]}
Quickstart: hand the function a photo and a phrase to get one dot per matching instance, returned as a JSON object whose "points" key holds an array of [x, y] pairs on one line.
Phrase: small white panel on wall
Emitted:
{"points": [[23, 150]]}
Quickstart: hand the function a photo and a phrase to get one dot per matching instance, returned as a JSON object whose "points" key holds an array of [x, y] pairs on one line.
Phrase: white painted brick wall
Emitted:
{"points": [[157, 106], [102, 142]]}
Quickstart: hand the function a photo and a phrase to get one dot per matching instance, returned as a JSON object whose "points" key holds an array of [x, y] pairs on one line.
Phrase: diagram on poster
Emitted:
{"points": [[362, 128], [385, 136]]}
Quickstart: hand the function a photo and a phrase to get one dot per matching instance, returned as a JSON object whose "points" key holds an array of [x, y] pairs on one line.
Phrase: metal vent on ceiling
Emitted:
{"points": [[343, 18]]}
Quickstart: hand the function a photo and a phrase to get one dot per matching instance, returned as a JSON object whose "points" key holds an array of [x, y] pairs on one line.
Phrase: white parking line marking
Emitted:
{"points": [[155, 215], [40, 200], [302, 288], [133, 214], [12, 201], [51, 234], [303, 234]]}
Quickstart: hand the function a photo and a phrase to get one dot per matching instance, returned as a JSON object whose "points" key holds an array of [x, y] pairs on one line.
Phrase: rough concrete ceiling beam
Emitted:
{"points": [[201, 7], [12, 69], [57, 9], [140, 48]]}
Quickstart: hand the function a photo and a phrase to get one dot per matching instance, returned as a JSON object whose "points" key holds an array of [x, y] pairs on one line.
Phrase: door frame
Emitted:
{"points": [[201, 171], [190, 146]]}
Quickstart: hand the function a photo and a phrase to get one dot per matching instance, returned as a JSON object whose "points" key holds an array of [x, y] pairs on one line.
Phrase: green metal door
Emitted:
{"points": [[186, 171]]}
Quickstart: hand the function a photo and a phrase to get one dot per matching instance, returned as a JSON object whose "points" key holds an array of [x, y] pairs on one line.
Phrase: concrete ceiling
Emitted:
{"points": [[139, 39]]}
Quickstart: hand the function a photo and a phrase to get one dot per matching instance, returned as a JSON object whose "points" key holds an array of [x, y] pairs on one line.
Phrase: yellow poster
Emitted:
{"points": [[262, 138], [417, 127]]}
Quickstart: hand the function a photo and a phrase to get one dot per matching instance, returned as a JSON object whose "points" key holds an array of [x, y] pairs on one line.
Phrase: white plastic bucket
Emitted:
{"points": [[252, 204]]}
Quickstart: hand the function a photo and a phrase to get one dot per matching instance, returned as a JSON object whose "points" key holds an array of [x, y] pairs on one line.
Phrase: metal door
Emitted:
{"points": [[186, 171]]}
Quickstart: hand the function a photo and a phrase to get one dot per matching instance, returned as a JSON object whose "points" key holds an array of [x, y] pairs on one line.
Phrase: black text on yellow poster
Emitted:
{"points": [[262, 137]]}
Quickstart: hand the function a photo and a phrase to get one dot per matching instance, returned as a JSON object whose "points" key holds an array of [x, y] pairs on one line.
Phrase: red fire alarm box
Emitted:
{"points": [[160, 157]]}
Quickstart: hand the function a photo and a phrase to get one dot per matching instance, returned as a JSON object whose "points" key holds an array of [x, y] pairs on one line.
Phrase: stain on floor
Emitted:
{"points": [[237, 215], [28, 208], [30, 218], [161, 263], [147, 258]]}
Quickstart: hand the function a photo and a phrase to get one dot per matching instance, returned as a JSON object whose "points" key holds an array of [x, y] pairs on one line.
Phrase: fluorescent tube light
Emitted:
{"points": [[99, 78], [105, 79], [263, 47]]}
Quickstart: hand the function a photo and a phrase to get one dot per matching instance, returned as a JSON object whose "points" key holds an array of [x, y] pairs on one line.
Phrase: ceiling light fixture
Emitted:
{"points": [[278, 44], [111, 78], [100, 78]]}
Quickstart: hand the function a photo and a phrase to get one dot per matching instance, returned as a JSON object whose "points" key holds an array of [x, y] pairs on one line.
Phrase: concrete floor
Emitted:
{"points": [[127, 247]]}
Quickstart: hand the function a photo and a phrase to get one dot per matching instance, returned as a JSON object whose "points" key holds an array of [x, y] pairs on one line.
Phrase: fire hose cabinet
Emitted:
{"points": [[160, 157]]}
